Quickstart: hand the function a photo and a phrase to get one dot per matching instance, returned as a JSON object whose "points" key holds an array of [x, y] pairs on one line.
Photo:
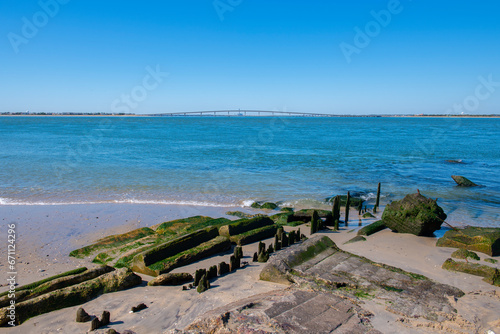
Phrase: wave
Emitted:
{"points": [[5, 201]]}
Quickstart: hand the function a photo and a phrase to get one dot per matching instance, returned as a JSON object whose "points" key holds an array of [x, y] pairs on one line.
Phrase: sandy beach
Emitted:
{"points": [[46, 234]]}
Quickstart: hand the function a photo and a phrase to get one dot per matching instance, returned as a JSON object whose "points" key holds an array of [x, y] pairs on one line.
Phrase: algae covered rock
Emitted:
{"points": [[463, 181], [244, 225], [480, 239], [265, 205], [171, 279], [372, 228], [415, 214], [491, 275], [355, 239], [306, 215], [368, 215], [116, 280], [464, 254]]}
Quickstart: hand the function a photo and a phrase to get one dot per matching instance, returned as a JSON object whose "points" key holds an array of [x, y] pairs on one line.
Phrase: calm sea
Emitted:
{"points": [[231, 161]]}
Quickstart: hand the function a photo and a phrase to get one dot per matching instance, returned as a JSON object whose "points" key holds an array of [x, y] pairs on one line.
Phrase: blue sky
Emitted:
{"points": [[88, 56]]}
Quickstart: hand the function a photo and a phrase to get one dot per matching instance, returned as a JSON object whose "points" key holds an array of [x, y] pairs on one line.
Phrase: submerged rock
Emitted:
{"points": [[463, 181], [480, 239], [415, 214], [265, 205]]}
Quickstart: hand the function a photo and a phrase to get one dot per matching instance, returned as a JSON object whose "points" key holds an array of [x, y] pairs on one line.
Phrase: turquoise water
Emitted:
{"points": [[231, 161]]}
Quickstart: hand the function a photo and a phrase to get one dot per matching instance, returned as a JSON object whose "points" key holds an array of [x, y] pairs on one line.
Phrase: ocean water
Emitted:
{"points": [[232, 161]]}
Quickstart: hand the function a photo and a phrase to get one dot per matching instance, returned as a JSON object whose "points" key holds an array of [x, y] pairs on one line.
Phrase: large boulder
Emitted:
{"points": [[415, 214], [463, 181], [480, 239]]}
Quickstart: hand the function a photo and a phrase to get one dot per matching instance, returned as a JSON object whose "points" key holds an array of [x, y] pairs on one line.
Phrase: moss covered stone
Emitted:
{"points": [[491, 260], [372, 228], [254, 235], [187, 225], [171, 279], [463, 181], [491, 275], [264, 205], [480, 239], [368, 215], [355, 239], [112, 241], [415, 214], [464, 254], [72, 295], [158, 253], [206, 249], [244, 225]]}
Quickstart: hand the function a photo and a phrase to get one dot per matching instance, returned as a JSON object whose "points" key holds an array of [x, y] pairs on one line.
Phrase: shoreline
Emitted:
{"points": [[56, 230], [265, 116]]}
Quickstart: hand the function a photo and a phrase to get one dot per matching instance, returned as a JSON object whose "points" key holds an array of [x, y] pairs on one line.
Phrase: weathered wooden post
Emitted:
{"points": [[336, 212], [347, 205], [377, 202]]}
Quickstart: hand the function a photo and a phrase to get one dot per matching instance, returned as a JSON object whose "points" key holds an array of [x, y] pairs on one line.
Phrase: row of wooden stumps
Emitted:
{"points": [[336, 210], [202, 276], [281, 240]]}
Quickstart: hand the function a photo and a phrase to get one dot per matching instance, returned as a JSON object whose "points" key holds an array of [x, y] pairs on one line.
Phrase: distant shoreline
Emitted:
{"points": [[222, 115]]}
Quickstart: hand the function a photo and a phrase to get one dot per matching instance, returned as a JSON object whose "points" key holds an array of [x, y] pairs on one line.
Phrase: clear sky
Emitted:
{"points": [[340, 57]]}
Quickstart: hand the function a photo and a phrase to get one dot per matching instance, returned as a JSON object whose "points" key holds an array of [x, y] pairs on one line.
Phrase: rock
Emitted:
{"points": [[265, 205], [491, 260], [138, 308], [464, 254], [255, 257], [116, 280], [355, 239], [243, 225], [415, 214], [463, 181], [280, 264], [95, 324], [254, 235], [286, 311], [105, 318], [479, 239], [491, 275], [111, 331], [372, 228], [82, 316], [171, 279], [368, 215], [459, 161]]}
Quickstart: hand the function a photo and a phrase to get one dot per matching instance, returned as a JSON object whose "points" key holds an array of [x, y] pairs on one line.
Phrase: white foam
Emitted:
{"points": [[247, 203]]}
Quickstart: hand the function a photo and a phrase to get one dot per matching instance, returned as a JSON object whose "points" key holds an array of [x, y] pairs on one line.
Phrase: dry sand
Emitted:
{"points": [[55, 230]]}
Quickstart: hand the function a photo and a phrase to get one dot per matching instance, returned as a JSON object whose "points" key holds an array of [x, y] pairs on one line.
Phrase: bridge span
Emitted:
{"points": [[242, 113]]}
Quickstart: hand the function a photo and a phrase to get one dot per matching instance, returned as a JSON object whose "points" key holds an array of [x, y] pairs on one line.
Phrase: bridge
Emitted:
{"points": [[242, 113]]}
